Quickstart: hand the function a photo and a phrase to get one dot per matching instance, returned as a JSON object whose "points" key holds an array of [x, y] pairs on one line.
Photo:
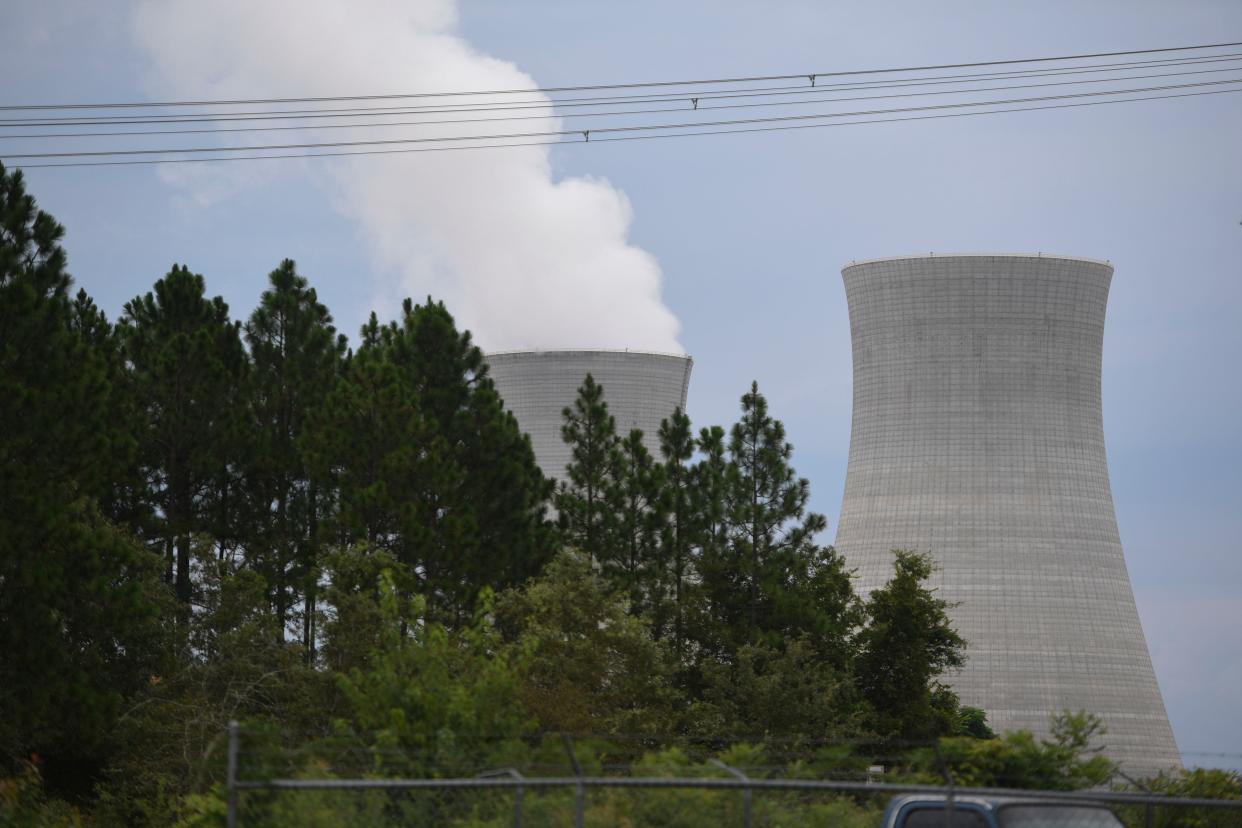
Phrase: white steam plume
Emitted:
{"points": [[522, 259]]}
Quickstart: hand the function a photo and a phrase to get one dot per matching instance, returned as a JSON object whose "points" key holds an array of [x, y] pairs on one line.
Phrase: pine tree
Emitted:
{"points": [[907, 644], [763, 578], [123, 500], [679, 529], [637, 516], [582, 499], [188, 370], [79, 598], [709, 486], [296, 356], [482, 498], [363, 444], [771, 612], [431, 468]]}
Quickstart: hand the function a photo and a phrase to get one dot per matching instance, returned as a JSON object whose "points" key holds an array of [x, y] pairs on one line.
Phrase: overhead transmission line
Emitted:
{"points": [[626, 138], [604, 130], [683, 102], [612, 139], [615, 100], [638, 85], [703, 103], [609, 139]]}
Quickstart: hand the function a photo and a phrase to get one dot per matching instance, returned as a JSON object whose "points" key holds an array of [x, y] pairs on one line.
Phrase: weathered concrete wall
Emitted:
{"points": [[977, 435], [641, 389]]}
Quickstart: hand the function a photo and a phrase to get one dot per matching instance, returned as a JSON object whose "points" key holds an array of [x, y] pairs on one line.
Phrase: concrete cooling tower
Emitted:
{"points": [[977, 436], [641, 389]]}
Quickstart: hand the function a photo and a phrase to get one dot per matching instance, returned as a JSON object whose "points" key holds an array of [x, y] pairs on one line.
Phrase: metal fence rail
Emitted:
{"points": [[511, 779]]}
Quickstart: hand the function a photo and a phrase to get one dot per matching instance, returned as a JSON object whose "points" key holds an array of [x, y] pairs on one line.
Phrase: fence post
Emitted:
{"points": [[1147, 809], [231, 778], [579, 791], [948, 781], [519, 791], [746, 792]]}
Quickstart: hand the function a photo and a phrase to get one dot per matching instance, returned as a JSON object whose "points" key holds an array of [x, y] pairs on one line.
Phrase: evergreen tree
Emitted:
{"points": [[364, 444], [769, 550], [582, 500], [296, 355], [123, 499], [775, 610], [481, 497], [431, 467], [907, 644], [709, 479], [680, 529], [188, 371], [79, 598], [637, 516]]}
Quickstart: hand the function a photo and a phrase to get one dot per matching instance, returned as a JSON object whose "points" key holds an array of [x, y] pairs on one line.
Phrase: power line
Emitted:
{"points": [[1209, 753], [803, 89], [698, 107], [640, 85], [701, 108], [620, 138], [602, 130], [919, 118]]}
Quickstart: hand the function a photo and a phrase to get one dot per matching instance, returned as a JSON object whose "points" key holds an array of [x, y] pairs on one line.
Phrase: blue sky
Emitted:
{"points": [[747, 234]]}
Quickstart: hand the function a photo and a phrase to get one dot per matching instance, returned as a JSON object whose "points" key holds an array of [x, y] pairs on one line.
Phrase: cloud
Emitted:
{"points": [[522, 258]]}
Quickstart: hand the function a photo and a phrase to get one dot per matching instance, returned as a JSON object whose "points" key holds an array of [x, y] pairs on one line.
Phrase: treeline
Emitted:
{"points": [[353, 552]]}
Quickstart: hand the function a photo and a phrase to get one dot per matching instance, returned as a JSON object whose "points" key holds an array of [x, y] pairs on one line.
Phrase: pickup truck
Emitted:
{"points": [[933, 811]]}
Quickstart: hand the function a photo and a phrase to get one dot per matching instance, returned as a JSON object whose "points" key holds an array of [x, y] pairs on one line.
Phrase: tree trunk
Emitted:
{"points": [[281, 604], [312, 574], [182, 586]]}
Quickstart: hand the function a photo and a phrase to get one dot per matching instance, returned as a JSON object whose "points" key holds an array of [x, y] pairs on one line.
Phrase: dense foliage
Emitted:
{"points": [[352, 551]]}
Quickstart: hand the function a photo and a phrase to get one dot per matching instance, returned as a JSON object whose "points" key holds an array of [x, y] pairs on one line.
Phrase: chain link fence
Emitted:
{"points": [[359, 788]]}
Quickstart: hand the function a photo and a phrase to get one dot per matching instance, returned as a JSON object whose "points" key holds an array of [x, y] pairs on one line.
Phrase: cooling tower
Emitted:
{"points": [[977, 436], [641, 389]]}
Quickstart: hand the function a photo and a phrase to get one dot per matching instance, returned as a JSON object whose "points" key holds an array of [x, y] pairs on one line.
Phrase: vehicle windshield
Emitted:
{"points": [[940, 817], [1057, 816]]}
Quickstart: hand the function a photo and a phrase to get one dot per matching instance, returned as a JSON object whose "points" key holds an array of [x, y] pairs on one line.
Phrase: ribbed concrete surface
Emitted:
{"points": [[977, 435], [641, 390]]}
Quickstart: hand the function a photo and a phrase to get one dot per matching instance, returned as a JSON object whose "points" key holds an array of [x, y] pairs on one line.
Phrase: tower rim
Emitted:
{"points": [[976, 255], [635, 351]]}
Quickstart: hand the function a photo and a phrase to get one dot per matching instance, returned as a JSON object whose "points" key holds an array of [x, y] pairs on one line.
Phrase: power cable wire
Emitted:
{"points": [[605, 130], [913, 118], [639, 85], [507, 145], [699, 108], [609, 140], [119, 120]]}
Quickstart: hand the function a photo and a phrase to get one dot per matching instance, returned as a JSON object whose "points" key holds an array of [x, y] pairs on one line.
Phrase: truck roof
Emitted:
{"points": [[988, 802]]}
